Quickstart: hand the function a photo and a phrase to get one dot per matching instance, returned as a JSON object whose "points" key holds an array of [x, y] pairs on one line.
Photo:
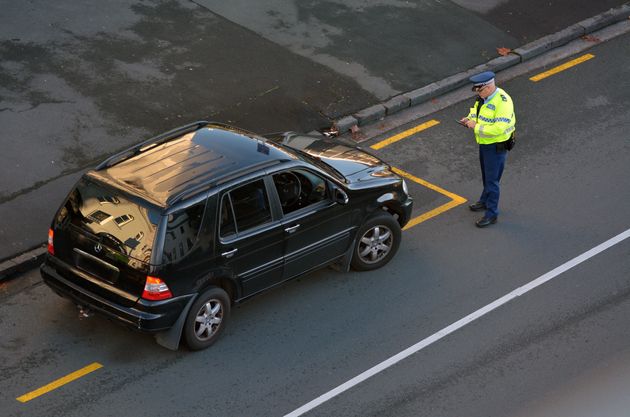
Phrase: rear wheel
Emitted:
{"points": [[377, 242], [207, 318]]}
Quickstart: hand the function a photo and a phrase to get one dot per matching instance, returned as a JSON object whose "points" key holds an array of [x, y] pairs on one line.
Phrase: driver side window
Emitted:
{"points": [[299, 188]]}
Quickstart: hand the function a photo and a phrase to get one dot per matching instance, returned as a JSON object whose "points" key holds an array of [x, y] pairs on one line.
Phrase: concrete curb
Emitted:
{"points": [[517, 56], [11, 267], [23, 262]]}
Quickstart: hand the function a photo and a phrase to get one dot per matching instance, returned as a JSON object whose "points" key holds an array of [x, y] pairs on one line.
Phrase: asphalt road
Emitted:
{"points": [[79, 81], [565, 191]]}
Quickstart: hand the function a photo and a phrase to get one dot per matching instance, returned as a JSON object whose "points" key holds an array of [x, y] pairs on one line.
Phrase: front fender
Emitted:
{"points": [[396, 204]]}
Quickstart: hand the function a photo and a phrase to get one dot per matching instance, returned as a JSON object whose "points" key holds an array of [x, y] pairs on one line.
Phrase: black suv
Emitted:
{"points": [[167, 235]]}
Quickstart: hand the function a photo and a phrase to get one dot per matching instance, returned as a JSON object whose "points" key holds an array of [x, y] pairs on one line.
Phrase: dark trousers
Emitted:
{"points": [[492, 164]]}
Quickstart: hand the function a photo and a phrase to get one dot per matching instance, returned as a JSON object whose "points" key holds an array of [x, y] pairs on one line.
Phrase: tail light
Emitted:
{"points": [[51, 246], [156, 289]]}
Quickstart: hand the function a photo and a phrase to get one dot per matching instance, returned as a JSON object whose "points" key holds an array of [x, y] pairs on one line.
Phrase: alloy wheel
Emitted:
{"points": [[208, 319], [375, 244]]}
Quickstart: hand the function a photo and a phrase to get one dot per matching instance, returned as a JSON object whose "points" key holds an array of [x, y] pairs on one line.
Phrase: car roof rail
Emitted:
{"points": [[153, 142], [236, 129]]}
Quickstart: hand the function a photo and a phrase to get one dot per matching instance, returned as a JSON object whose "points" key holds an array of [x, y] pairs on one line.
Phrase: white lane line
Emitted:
{"points": [[459, 324]]}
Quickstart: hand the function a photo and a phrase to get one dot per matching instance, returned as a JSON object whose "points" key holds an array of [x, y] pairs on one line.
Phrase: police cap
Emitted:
{"points": [[482, 79]]}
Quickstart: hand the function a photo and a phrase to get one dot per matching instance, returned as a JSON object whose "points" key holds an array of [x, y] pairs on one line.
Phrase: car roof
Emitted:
{"points": [[188, 160]]}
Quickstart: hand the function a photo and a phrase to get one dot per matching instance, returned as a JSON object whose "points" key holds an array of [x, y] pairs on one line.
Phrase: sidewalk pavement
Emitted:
{"points": [[22, 247]]}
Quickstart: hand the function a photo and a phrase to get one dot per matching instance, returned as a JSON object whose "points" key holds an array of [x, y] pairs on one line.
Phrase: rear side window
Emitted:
{"points": [[123, 224], [244, 208], [182, 231]]}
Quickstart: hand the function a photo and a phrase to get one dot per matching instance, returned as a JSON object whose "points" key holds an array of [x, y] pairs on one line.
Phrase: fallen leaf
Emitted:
{"points": [[503, 51], [590, 38]]}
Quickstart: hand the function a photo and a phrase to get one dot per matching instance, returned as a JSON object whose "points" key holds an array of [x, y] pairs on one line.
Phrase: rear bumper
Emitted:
{"points": [[145, 316]]}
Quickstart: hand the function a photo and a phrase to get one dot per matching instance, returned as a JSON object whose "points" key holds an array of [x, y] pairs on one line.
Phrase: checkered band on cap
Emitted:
{"points": [[482, 79]]}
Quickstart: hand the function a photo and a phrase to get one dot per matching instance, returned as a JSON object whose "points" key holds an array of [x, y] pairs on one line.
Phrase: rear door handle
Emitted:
{"points": [[230, 253], [292, 229]]}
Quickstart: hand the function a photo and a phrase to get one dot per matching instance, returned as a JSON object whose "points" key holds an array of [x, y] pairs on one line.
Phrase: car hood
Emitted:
{"points": [[348, 160]]}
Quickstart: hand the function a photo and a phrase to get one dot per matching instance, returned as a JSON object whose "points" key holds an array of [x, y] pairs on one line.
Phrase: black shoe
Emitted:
{"points": [[485, 221], [478, 206]]}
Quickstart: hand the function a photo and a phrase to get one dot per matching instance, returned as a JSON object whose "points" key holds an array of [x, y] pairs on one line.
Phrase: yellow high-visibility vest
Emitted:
{"points": [[496, 121]]}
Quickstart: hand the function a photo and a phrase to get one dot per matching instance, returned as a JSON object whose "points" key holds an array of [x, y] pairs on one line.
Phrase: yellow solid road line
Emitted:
{"points": [[455, 199], [60, 382], [562, 67], [405, 134]]}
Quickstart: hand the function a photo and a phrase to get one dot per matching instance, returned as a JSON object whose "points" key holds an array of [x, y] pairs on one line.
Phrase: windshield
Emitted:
{"points": [[118, 221]]}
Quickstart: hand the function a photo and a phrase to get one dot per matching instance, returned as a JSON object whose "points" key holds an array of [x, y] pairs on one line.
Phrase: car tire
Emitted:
{"points": [[377, 241], [207, 318]]}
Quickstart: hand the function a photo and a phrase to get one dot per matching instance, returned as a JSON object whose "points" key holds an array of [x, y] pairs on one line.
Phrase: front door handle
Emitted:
{"points": [[230, 253], [292, 229]]}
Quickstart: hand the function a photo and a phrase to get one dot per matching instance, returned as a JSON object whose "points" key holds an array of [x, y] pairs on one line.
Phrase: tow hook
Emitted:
{"points": [[84, 312]]}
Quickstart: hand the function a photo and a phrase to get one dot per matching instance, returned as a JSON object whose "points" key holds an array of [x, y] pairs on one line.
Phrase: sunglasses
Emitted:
{"points": [[479, 88]]}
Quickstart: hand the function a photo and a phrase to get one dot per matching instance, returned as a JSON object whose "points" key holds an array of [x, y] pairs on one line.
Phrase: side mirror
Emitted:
{"points": [[340, 196]]}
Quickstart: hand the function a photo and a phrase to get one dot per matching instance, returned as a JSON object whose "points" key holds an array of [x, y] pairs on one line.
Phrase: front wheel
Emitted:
{"points": [[207, 318], [377, 242]]}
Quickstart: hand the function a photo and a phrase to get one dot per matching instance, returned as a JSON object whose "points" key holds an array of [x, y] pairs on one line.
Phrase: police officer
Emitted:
{"points": [[493, 121]]}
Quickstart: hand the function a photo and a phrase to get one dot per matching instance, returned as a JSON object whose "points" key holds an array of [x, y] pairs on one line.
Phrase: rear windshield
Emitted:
{"points": [[120, 222]]}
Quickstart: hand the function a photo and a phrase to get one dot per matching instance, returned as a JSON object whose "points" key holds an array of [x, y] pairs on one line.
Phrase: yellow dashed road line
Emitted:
{"points": [[562, 67], [406, 133], [60, 382]]}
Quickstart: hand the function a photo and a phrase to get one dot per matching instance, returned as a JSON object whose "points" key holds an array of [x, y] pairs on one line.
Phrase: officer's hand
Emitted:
{"points": [[470, 124]]}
